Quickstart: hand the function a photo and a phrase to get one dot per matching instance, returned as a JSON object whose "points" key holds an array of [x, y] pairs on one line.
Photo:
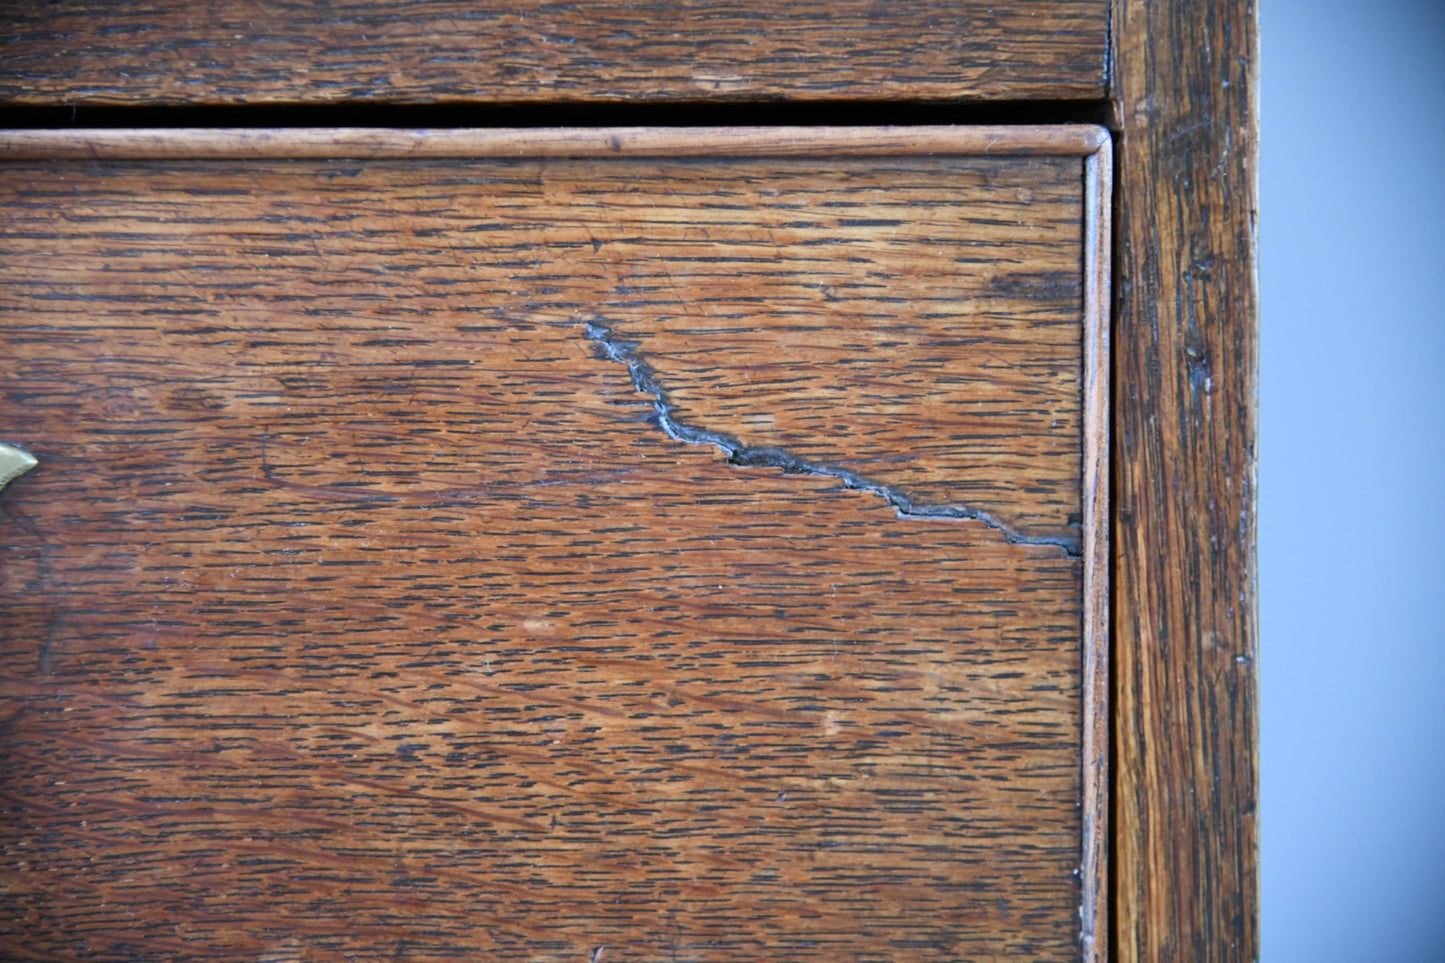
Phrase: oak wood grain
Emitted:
{"points": [[362, 601], [1185, 629], [444, 51]]}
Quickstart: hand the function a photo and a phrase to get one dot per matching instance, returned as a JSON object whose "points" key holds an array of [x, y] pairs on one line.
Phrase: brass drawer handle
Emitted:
{"points": [[14, 462]]}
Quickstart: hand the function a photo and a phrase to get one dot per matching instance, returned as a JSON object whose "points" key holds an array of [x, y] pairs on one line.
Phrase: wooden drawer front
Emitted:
{"points": [[261, 51], [579, 546]]}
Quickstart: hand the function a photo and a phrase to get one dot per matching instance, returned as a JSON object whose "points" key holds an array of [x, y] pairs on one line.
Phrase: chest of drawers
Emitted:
{"points": [[628, 543]]}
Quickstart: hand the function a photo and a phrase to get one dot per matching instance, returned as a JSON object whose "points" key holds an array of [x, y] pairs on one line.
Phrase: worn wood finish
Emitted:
{"points": [[444, 51], [370, 597], [1185, 366], [181, 143], [1098, 272]]}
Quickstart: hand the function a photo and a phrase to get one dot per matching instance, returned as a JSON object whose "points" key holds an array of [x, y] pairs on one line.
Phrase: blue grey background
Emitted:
{"points": [[1352, 480]]}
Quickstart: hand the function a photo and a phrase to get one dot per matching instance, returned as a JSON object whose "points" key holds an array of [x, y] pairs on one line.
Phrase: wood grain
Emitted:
{"points": [[444, 51], [1185, 633], [362, 603]]}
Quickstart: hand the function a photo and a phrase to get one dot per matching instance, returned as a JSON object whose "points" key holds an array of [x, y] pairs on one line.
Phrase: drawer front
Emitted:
{"points": [[259, 51], [588, 545]]}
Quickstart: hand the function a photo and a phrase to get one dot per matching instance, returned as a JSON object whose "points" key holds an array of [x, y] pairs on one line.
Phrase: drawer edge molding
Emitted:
{"points": [[323, 143]]}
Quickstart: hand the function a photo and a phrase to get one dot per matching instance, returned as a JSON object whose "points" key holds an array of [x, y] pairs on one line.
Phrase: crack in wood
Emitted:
{"points": [[664, 416]]}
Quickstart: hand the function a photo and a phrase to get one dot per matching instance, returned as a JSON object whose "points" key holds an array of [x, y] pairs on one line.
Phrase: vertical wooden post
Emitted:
{"points": [[1185, 627]]}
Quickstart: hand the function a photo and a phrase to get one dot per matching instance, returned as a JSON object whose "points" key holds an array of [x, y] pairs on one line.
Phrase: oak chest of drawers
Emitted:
{"points": [[628, 541]]}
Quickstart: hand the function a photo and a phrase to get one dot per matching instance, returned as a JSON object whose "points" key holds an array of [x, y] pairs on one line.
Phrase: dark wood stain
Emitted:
{"points": [[359, 605], [443, 51], [1185, 632]]}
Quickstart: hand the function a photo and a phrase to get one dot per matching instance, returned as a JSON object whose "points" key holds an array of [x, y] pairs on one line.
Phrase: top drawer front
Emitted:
{"points": [[265, 51]]}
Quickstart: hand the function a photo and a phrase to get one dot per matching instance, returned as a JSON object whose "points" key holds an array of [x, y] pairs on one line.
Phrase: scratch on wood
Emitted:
{"points": [[645, 380]]}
